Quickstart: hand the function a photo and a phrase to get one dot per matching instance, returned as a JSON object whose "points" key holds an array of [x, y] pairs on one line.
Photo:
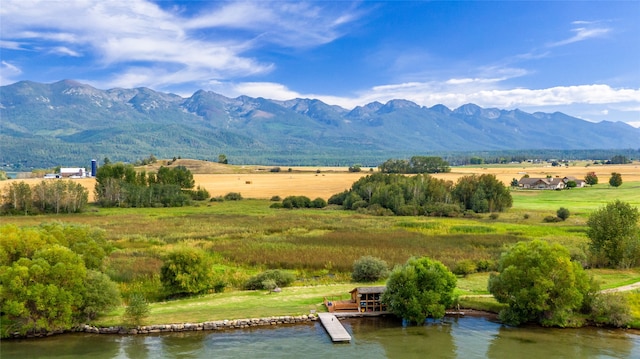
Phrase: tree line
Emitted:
{"points": [[119, 185], [416, 164], [48, 196], [424, 195]]}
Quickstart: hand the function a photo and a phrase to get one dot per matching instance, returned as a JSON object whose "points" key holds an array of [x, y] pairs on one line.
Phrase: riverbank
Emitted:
{"points": [[180, 327], [231, 324]]}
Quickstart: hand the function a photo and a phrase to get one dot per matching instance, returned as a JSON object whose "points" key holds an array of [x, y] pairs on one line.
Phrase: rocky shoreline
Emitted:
{"points": [[182, 327]]}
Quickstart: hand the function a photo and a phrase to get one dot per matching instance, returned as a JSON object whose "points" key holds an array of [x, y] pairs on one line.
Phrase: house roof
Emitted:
{"points": [[369, 290], [533, 180]]}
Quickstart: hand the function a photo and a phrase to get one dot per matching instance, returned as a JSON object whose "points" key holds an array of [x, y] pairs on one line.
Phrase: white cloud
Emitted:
{"points": [[586, 30], [10, 45], [451, 93], [127, 33], [63, 50], [8, 72]]}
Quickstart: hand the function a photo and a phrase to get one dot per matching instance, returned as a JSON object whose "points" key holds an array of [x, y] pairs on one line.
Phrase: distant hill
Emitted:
{"points": [[68, 123]]}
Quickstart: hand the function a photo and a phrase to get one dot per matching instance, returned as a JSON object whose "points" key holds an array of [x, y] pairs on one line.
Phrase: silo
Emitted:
{"points": [[94, 168]]}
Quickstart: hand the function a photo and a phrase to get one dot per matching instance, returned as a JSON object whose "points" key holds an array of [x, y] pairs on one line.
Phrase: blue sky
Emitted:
{"points": [[577, 57]]}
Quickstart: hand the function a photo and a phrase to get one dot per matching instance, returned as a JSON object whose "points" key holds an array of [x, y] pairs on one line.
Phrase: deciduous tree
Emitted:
{"points": [[591, 178], [539, 283], [615, 235], [186, 271], [615, 180], [420, 289]]}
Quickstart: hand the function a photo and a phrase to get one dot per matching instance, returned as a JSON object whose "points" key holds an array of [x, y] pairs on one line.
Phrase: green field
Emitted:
{"points": [[320, 246]]}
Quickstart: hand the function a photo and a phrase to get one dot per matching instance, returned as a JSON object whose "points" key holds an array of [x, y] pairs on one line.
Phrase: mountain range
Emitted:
{"points": [[68, 123]]}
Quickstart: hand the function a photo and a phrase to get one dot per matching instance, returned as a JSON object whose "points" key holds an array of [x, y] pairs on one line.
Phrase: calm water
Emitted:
{"points": [[372, 338]]}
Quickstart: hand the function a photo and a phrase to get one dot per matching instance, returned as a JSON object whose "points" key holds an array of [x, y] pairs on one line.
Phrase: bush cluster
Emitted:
{"points": [[281, 279], [233, 196], [303, 202], [369, 269]]}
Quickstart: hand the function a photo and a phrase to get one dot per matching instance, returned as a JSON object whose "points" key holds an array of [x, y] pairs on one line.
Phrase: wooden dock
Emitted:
{"points": [[334, 328]]}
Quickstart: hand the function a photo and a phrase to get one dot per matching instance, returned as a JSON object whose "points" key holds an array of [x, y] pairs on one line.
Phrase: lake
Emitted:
{"points": [[469, 337]]}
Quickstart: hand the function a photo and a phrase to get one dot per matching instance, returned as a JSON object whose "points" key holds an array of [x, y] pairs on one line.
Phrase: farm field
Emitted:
{"points": [[319, 246], [258, 182]]}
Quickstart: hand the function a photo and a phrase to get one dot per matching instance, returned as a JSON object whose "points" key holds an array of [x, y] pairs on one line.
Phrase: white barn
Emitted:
{"points": [[73, 172]]}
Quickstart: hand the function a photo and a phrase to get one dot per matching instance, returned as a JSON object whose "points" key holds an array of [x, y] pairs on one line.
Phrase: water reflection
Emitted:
{"points": [[535, 342], [372, 338]]}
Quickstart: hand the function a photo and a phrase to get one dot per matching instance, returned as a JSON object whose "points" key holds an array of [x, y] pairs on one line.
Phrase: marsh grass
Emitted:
{"points": [[320, 246]]}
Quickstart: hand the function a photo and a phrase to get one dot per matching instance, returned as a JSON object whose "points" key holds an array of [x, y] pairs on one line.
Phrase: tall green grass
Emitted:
{"points": [[248, 236]]}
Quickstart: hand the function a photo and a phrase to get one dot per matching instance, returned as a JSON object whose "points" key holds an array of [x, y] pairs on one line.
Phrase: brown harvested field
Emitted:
{"points": [[258, 182]]}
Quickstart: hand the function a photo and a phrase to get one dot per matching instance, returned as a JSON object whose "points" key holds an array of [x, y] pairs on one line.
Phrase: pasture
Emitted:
{"points": [[319, 246]]}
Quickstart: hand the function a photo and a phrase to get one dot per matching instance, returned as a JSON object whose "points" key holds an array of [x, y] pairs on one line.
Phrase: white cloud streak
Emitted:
{"points": [[452, 93], [586, 30], [8, 72], [128, 33]]}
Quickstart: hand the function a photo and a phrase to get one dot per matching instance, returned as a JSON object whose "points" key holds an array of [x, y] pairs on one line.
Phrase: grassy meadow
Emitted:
{"points": [[320, 245]]}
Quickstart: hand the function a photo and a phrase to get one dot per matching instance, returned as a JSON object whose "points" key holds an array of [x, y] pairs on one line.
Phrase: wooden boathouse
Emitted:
{"points": [[363, 300]]}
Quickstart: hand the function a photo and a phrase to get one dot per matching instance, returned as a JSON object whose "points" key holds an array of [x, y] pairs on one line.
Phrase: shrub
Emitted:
{"points": [[219, 286], [281, 278], [369, 269], [296, 202], [409, 210], [485, 265], [526, 216], [359, 204], [465, 267], [276, 198], [494, 216], [137, 310], [275, 169], [610, 309], [269, 284], [318, 203], [443, 210], [563, 213], [338, 198], [276, 205], [217, 199], [551, 219], [376, 210], [232, 196], [199, 194]]}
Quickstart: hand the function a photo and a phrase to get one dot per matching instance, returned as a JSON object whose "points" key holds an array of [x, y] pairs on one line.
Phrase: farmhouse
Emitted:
{"points": [[363, 300], [73, 172], [548, 183]]}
